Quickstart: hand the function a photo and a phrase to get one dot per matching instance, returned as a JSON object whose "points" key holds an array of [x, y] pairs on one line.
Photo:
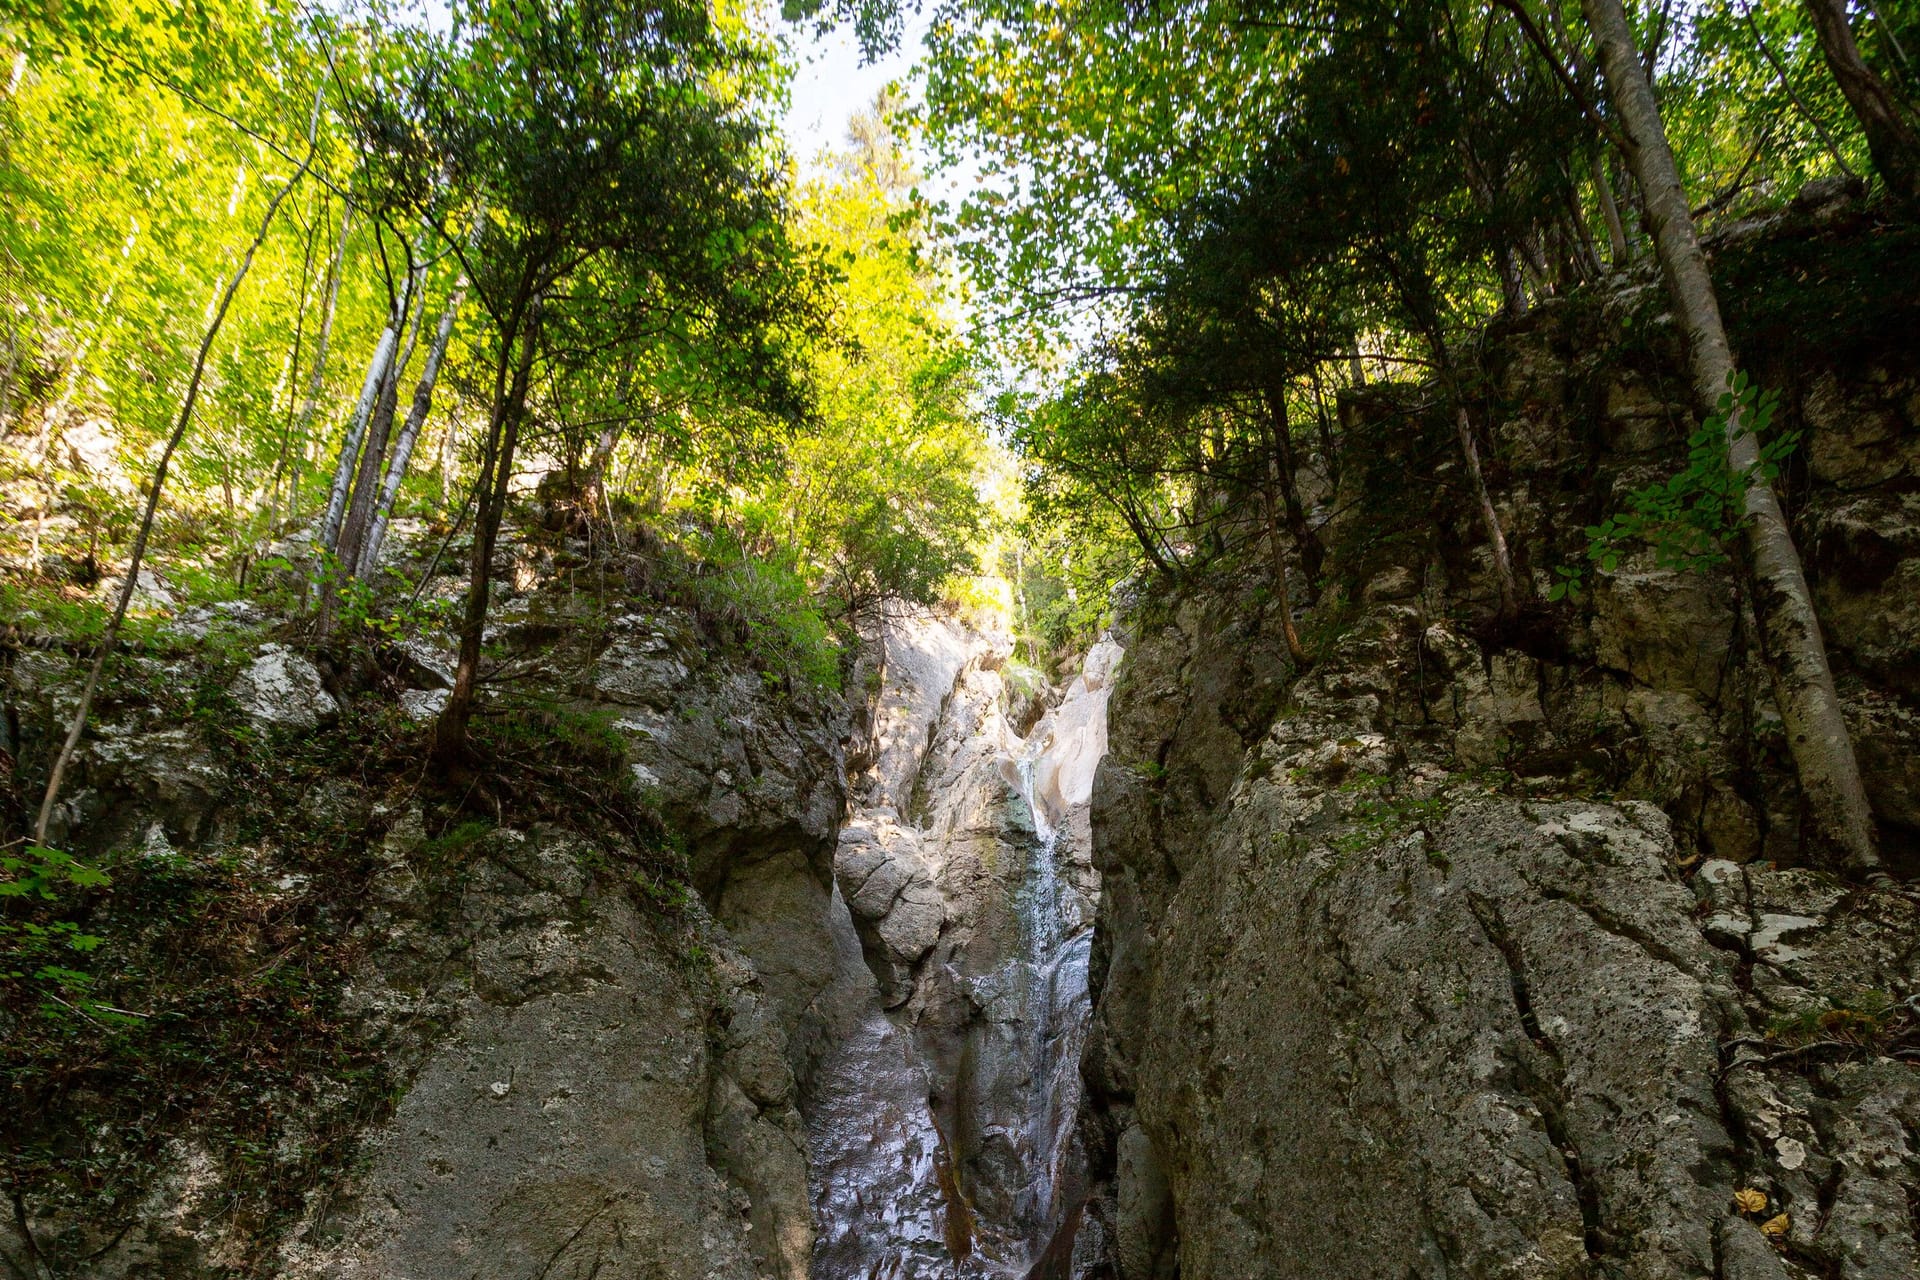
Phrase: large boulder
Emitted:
{"points": [[280, 690]]}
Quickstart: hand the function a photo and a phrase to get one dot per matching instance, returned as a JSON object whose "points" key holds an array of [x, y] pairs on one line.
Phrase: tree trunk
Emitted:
{"points": [[1283, 461], [1789, 630], [1891, 140], [496, 471], [1503, 579], [343, 469], [316, 382], [409, 433], [1618, 252], [1277, 547], [1419, 301], [373, 459], [290, 376], [594, 493], [1577, 233], [138, 553]]}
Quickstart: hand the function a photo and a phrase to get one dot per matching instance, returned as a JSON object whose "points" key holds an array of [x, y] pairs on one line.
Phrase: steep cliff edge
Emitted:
{"points": [[354, 1018], [1487, 951]]}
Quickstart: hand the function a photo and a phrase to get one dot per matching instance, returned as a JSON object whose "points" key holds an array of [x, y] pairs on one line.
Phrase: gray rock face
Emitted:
{"points": [[1502, 952], [754, 787], [610, 1102], [282, 690], [594, 1082], [1360, 993], [942, 1127], [568, 1122]]}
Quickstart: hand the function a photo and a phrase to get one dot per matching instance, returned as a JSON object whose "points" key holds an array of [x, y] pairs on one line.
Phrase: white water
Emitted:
{"points": [[874, 1149], [890, 1202]]}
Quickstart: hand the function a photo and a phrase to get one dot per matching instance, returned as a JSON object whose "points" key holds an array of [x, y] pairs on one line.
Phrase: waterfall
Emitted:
{"points": [[941, 1121]]}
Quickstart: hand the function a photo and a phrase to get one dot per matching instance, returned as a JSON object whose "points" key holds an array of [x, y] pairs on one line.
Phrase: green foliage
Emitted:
{"points": [[42, 872], [770, 605], [388, 609], [1688, 519], [39, 955], [451, 847], [878, 498], [1065, 576], [1865, 1020]]}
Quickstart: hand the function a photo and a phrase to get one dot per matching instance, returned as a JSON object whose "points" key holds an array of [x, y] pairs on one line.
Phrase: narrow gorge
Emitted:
{"points": [[1223, 640], [944, 1137], [855, 1053]]}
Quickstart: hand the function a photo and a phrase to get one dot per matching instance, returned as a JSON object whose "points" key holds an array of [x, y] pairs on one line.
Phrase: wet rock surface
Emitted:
{"points": [[942, 1129]]}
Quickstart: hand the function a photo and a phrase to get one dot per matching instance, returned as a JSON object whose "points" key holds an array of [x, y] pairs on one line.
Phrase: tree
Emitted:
{"points": [[1790, 630], [629, 201], [880, 494], [1890, 135], [159, 481]]}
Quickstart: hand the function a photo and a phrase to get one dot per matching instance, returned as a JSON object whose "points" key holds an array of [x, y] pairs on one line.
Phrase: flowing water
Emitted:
{"points": [[941, 1130]]}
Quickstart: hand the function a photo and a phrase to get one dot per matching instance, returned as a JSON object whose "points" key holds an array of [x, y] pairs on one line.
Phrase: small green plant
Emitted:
{"points": [[1688, 518], [450, 847], [43, 872], [1863, 1019], [675, 897], [40, 953], [362, 606]]}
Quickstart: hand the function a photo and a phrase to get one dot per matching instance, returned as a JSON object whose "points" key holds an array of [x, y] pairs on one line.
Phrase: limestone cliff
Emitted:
{"points": [[401, 1025], [1482, 950]]}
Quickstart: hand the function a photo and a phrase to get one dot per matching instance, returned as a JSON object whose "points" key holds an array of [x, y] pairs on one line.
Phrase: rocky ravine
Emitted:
{"points": [[851, 1049], [1478, 949], [943, 1139]]}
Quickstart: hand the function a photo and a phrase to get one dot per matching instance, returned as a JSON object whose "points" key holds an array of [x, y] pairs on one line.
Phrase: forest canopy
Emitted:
{"points": [[472, 252], [282, 279]]}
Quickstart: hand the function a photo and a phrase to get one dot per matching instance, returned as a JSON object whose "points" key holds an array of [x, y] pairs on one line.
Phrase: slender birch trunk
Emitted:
{"points": [[1891, 139], [356, 428], [316, 381], [410, 432], [100, 336], [289, 375], [140, 538], [1421, 305], [1789, 629], [366, 480]]}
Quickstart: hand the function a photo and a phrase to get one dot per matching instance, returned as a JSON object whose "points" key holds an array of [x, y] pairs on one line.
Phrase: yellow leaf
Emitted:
{"points": [[1747, 1200], [1776, 1226]]}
